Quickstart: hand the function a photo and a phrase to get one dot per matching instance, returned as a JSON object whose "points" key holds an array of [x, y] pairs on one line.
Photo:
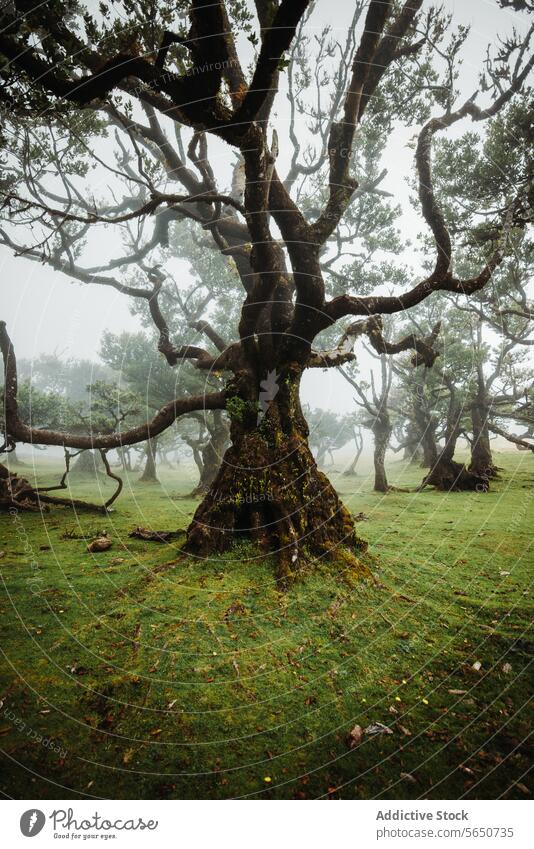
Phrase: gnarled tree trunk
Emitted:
{"points": [[149, 472], [358, 439], [382, 434], [269, 489], [481, 456]]}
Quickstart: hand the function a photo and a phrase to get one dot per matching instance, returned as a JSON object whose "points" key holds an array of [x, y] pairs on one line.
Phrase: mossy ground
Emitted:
{"points": [[161, 678]]}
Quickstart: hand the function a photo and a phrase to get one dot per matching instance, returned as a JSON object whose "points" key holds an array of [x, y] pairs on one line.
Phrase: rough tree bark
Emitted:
{"points": [[269, 488], [382, 430], [481, 456]]}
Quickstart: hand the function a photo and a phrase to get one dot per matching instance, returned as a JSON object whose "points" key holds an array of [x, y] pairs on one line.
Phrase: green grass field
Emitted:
{"points": [[151, 675]]}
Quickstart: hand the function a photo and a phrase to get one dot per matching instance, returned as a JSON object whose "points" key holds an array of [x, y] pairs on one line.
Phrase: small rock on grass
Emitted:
{"points": [[99, 544]]}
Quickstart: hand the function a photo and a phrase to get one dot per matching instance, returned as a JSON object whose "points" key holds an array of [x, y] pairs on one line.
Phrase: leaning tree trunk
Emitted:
{"points": [[446, 474], [358, 439], [481, 457], [269, 489], [149, 473], [352, 468], [382, 434]]}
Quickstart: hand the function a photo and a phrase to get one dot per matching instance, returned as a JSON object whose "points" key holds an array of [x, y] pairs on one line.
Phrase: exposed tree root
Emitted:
{"points": [[450, 476]]}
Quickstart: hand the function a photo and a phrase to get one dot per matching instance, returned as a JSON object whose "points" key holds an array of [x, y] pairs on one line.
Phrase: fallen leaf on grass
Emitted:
{"points": [[457, 692], [404, 730], [78, 670], [406, 776], [355, 737], [465, 769], [377, 728], [126, 758], [477, 666]]}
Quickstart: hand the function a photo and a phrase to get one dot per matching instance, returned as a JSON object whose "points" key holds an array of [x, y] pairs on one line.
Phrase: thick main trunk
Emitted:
{"points": [[269, 489], [481, 456]]}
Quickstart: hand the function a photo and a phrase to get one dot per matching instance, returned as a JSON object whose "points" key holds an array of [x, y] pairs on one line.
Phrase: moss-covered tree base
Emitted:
{"points": [[269, 489], [450, 476]]}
